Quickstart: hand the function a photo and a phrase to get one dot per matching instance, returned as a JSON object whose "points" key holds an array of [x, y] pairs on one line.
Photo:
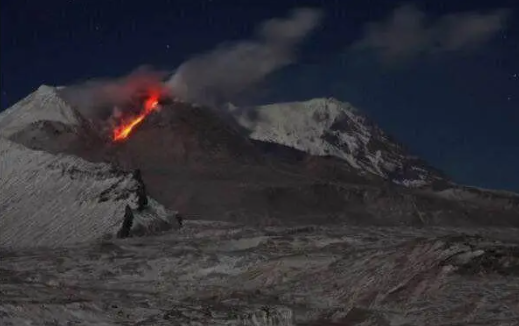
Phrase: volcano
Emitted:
{"points": [[302, 213], [329, 164]]}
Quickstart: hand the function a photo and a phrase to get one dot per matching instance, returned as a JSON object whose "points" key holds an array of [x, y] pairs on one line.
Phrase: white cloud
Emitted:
{"points": [[408, 32]]}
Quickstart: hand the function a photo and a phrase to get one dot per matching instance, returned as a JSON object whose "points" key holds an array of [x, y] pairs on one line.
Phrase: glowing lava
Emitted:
{"points": [[123, 131]]}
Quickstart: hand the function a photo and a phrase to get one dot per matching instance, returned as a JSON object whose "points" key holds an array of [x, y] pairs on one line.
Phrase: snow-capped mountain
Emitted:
{"points": [[54, 200], [323, 127], [42, 105], [327, 126], [196, 160], [318, 240]]}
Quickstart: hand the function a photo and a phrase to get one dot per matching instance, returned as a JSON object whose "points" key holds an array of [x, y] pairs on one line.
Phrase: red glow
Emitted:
{"points": [[123, 131]]}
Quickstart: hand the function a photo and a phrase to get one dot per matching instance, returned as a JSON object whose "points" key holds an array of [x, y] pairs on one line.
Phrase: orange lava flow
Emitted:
{"points": [[123, 131]]}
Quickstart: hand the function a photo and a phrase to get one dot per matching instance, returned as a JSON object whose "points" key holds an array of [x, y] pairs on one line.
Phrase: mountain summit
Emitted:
{"points": [[42, 105], [328, 127]]}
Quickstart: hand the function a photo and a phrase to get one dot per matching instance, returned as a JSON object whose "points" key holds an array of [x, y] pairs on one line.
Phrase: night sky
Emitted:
{"points": [[441, 76]]}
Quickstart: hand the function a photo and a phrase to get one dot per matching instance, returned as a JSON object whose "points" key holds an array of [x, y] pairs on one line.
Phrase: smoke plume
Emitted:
{"points": [[101, 99], [226, 72], [208, 79]]}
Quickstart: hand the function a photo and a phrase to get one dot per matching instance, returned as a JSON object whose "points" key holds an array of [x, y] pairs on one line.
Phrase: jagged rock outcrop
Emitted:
{"points": [[127, 224], [142, 196]]}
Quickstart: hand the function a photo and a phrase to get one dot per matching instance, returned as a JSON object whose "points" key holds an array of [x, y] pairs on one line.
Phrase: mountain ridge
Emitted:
{"points": [[201, 164]]}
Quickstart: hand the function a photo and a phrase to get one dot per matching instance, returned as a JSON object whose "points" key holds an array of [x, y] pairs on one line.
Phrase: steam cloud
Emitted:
{"points": [[228, 71], [408, 33], [208, 79], [218, 76]]}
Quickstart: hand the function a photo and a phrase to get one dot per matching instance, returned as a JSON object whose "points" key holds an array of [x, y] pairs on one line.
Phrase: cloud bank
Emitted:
{"points": [[408, 32]]}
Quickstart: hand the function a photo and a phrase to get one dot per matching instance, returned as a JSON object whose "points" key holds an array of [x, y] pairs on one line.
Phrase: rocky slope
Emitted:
{"points": [[55, 200]]}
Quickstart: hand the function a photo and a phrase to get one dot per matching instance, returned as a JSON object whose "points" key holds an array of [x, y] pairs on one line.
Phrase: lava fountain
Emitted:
{"points": [[122, 132]]}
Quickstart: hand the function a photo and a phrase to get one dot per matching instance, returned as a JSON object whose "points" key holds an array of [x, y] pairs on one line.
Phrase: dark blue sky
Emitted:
{"points": [[449, 90]]}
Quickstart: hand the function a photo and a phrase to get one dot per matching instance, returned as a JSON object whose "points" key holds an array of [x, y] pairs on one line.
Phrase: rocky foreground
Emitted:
{"points": [[328, 221], [215, 273]]}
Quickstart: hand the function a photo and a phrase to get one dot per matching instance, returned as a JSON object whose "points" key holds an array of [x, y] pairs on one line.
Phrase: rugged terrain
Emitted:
{"points": [[212, 273], [295, 214], [195, 161]]}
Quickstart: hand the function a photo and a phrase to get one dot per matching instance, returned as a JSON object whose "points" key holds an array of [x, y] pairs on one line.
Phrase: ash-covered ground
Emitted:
{"points": [[215, 273]]}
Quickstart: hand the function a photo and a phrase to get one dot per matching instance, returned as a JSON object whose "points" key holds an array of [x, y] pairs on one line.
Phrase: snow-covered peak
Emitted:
{"points": [[307, 117], [326, 126], [54, 200], [44, 104]]}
